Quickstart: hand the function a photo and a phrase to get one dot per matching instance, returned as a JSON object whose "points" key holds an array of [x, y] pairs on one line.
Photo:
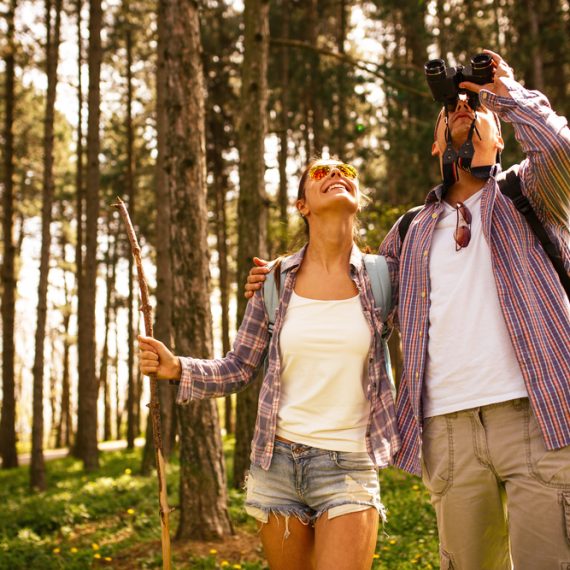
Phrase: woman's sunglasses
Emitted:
{"points": [[319, 171]]}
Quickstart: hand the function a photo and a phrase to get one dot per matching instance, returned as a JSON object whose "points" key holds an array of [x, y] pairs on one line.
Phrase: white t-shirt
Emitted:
{"points": [[324, 349], [471, 361]]}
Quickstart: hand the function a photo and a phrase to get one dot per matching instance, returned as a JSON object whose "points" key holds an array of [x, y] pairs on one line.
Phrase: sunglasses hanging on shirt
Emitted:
{"points": [[462, 234]]}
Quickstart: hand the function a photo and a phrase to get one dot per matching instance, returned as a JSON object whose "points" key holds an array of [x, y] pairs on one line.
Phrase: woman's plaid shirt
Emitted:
{"points": [[216, 378], [533, 302]]}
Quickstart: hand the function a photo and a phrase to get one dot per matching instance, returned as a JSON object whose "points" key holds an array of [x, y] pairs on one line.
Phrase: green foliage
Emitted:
{"points": [[109, 517], [82, 519]]}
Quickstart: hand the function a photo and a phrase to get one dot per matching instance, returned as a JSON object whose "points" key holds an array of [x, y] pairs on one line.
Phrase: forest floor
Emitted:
{"points": [[51, 454], [108, 519]]}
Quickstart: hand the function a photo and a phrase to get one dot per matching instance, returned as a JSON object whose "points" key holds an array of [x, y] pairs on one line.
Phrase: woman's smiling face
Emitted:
{"points": [[333, 191]]}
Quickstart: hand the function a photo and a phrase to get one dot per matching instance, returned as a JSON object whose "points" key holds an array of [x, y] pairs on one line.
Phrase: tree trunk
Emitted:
{"points": [[220, 189], [118, 410], [252, 202], [283, 134], [80, 198], [37, 464], [110, 263], [86, 444], [8, 419], [313, 81], [203, 497], [536, 47], [341, 114], [132, 430], [63, 430], [163, 314]]}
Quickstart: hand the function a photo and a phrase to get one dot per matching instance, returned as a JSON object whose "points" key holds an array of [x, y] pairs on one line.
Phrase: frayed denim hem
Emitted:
{"points": [[338, 511], [262, 514]]}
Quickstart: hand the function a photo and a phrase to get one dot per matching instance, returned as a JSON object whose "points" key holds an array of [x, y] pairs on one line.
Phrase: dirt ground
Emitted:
{"points": [[242, 547]]}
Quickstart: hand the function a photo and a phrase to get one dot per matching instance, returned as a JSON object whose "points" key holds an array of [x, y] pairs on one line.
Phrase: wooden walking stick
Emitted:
{"points": [[154, 403]]}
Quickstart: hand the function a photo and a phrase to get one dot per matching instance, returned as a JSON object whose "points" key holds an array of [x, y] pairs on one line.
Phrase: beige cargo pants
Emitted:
{"points": [[502, 500]]}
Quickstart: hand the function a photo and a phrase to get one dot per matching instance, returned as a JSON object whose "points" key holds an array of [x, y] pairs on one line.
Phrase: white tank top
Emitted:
{"points": [[324, 349], [471, 360]]}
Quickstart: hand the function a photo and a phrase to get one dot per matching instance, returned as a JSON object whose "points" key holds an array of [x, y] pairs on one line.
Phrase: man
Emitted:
{"points": [[484, 401]]}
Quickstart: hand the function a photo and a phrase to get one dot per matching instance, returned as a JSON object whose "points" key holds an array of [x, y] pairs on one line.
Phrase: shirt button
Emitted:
{"points": [[417, 374], [421, 333], [423, 294], [434, 215], [425, 252]]}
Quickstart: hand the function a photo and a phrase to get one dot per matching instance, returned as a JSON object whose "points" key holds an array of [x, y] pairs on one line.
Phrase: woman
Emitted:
{"points": [[326, 415]]}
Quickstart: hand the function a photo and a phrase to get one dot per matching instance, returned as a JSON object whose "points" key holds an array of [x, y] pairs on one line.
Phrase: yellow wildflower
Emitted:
{"points": [[97, 555], [108, 559], [416, 487], [213, 551], [127, 471], [392, 541], [95, 546], [224, 563], [130, 511], [56, 551], [73, 550], [376, 556]]}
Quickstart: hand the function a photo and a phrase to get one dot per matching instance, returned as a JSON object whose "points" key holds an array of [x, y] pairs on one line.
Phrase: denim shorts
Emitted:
{"points": [[305, 482]]}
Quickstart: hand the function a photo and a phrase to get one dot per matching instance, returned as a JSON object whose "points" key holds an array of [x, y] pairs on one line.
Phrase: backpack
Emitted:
{"points": [[379, 276], [510, 186]]}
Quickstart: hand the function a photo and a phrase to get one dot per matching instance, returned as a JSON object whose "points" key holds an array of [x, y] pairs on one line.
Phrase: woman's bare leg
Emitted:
{"points": [[346, 542], [292, 552]]}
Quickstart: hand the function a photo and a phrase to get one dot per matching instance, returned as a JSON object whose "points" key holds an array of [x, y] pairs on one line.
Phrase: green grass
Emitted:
{"points": [[108, 519]]}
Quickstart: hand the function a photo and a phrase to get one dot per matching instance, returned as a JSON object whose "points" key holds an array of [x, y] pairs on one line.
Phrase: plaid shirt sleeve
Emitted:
{"points": [[545, 139], [202, 379]]}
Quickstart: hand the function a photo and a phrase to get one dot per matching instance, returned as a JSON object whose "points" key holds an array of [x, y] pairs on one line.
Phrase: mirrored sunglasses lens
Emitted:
{"points": [[462, 236], [319, 172], [348, 171]]}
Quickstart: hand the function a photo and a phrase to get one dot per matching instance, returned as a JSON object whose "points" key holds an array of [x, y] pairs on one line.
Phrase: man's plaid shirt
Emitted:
{"points": [[534, 305], [215, 378]]}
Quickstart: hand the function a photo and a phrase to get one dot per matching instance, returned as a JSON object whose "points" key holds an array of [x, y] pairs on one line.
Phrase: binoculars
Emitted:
{"points": [[444, 81]]}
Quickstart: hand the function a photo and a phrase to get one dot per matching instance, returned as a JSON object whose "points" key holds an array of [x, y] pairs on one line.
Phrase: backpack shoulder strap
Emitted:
{"points": [[379, 276], [407, 220], [271, 290], [510, 186]]}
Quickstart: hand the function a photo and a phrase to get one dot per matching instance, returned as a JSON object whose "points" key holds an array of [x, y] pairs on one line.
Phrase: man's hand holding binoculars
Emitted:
{"points": [[486, 70], [502, 71]]}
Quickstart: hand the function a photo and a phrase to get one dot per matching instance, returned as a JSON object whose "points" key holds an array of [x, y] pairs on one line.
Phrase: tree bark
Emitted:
{"points": [[252, 202], [341, 114], [220, 189], [203, 497], [64, 427], [283, 134], [80, 196], [8, 417], [86, 444], [132, 430], [110, 263], [37, 464], [163, 313], [536, 47], [313, 81]]}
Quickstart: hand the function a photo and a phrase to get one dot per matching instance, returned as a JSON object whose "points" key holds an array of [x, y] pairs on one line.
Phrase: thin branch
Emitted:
{"points": [[358, 63], [154, 403]]}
